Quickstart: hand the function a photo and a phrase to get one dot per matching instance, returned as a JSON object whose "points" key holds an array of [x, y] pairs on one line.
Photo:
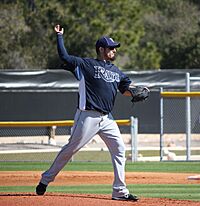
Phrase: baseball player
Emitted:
{"points": [[99, 81]]}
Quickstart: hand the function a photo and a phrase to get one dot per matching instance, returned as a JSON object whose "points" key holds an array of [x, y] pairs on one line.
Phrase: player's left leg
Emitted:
{"points": [[110, 134]]}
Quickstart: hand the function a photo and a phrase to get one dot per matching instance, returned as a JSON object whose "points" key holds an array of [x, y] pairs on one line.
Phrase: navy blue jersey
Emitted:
{"points": [[99, 80]]}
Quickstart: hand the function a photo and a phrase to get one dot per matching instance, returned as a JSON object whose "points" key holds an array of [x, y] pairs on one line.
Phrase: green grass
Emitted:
{"points": [[178, 167], [95, 156], [174, 191]]}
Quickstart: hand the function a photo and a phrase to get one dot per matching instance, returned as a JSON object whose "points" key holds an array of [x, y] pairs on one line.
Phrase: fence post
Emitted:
{"points": [[188, 118], [134, 132], [52, 140], [161, 126]]}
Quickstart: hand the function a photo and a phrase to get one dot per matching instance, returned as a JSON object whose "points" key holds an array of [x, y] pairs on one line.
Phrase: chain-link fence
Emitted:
{"points": [[30, 143], [42, 143], [176, 143]]}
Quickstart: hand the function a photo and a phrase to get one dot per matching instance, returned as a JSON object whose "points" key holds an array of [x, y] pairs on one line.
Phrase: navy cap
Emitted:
{"points": [[106, 42]]}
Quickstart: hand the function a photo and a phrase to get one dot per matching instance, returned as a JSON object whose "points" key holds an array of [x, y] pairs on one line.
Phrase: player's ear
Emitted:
{"points": [[101, 49]]}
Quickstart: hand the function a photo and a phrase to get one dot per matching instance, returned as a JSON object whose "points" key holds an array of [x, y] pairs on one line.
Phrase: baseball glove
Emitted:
{"points": [[139, 93]]}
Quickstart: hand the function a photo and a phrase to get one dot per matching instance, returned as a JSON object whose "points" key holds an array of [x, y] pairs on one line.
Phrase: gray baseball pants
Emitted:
{"points": [[86, 125]]}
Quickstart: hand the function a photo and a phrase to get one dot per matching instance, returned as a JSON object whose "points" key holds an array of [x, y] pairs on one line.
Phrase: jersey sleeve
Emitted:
{"points": [[124, 83], [71, 62]]}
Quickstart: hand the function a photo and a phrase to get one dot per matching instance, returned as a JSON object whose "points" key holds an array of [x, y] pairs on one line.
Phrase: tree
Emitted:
{"points": [[153, 34], [13, 27], [174, 27], [84, 22]]}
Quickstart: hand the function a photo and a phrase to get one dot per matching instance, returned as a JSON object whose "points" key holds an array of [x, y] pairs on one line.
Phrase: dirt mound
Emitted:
{"points": [[54, 199]]}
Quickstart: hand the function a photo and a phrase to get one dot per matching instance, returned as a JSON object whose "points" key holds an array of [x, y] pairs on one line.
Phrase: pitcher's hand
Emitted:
{"points": [[59, 29]]}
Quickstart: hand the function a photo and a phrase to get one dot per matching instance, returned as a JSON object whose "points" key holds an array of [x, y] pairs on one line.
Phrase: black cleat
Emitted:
{"points": [[41, 189], [128, 197]]}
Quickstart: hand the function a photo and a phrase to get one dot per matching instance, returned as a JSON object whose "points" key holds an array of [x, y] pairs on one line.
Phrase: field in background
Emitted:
{"points": [[26, 148], [174, 167]]}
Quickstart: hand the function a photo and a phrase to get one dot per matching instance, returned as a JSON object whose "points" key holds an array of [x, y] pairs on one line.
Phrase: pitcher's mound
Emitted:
{"points": [[58, 199]]}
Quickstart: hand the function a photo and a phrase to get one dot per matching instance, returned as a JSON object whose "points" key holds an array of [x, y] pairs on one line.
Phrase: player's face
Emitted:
{"points": [[110, 54]]}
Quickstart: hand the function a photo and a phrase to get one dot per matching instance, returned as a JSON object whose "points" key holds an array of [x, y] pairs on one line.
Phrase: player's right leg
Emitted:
{"points": [[85, 127]]}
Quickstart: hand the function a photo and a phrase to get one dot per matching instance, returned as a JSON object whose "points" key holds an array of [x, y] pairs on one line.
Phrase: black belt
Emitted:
{"points": [[104, 113]]}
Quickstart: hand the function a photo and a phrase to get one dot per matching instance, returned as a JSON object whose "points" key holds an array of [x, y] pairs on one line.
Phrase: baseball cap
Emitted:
{"points": [[107, 42]]}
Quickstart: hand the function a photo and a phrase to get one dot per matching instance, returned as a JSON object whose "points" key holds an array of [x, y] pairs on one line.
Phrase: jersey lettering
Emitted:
{"points": [[106, 75]]}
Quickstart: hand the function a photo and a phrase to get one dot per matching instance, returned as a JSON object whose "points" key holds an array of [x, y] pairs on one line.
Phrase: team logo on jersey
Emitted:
{"points": [[106, 75]]}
